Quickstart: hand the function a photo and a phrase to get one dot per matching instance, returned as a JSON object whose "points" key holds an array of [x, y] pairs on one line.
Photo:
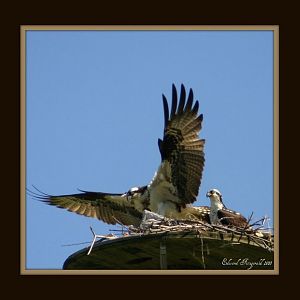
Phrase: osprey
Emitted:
{"points": [[174, 186], [219, 214]]}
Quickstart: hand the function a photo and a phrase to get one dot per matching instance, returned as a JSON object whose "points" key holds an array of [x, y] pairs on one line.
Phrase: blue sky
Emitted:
{"points": [[94, 113]]}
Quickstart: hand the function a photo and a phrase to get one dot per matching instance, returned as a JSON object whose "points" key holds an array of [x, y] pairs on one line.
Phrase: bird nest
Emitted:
{"points": [[255, 233]]}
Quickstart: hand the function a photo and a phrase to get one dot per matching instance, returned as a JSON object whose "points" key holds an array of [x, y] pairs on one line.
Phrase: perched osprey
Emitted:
{"points": [[219, 214], [174, 186]]}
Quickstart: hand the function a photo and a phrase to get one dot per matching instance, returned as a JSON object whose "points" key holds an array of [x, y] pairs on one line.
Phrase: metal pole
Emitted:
{"points": [[163, 254]]}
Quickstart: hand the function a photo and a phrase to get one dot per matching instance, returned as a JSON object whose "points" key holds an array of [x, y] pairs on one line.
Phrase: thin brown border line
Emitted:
{"points": [[276, 147], [150, 27], [274, 28], [23, 149], [149, 272]]}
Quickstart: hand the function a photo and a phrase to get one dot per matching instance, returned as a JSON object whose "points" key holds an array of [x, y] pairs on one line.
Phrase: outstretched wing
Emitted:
{"points": [[181, 146], [109, 208]]}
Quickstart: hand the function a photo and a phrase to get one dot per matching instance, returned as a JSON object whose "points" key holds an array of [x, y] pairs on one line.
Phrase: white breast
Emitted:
{"points": [[213, 216], [214, 207], [162, 198], [162, 192]]}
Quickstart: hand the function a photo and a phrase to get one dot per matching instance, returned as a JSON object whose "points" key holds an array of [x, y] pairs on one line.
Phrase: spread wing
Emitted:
{"points": [[181, 146], [232, 218], [109, 208]]}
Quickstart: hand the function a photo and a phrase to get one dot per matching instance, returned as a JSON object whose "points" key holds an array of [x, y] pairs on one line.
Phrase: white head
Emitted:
{"points": [[136, 191], [215, 197]]}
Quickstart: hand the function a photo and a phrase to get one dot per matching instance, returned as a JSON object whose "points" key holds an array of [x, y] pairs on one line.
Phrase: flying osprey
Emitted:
{"points": [[220, 214], [174, 186]]}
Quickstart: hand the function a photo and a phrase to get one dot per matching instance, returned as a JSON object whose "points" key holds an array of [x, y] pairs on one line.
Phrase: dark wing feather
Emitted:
{"points": [[231, 218], [109, 208], [181, 145]]}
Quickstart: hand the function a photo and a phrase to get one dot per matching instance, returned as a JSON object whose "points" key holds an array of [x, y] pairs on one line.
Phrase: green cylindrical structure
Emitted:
{"points": [[184, 250]]}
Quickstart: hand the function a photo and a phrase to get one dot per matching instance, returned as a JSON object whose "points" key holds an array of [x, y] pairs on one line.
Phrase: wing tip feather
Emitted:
{"points": [[166, 110]]}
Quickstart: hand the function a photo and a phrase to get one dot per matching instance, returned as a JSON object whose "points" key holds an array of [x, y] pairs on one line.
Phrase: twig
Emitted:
{"points": [[75, 244], [103, 237]]}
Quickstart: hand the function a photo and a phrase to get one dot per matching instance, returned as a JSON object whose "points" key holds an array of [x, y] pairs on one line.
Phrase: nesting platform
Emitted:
{"points": [[182, 250]]}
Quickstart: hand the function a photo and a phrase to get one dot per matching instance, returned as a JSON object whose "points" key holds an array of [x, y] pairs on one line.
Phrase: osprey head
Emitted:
{"points": [[216, 201], [138, 197], [214, 195], [135, 191]]}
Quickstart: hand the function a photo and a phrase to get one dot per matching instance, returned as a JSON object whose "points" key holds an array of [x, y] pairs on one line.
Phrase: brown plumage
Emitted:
{"points": [[231, 218], [181, 145], [109, 208], [175, 184]]}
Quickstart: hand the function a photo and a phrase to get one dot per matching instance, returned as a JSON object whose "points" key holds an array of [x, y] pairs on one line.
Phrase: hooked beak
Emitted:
{"points": [[208, 194]]}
